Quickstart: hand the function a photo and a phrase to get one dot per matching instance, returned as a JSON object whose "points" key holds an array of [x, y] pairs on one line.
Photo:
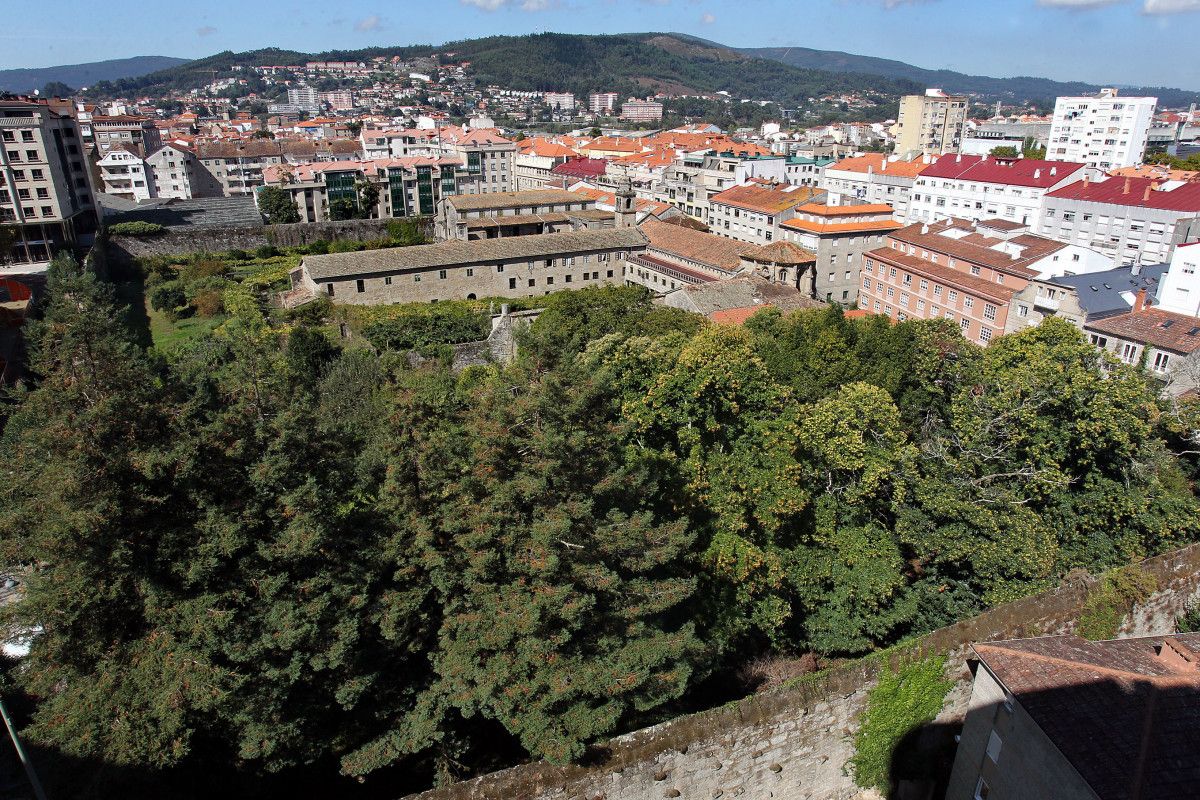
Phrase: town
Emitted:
{"points": [[894, 388]]}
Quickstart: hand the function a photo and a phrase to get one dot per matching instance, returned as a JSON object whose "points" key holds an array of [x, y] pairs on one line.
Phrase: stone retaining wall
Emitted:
{"points": [[794, 742]]}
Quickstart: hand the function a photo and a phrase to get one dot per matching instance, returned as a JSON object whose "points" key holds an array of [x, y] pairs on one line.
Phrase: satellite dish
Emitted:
{"points": [[37, 92]]}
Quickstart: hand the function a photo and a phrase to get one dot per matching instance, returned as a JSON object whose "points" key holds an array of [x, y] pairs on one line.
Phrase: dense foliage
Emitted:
{"points": [[904, 699], [137, 228], [258, 550]]}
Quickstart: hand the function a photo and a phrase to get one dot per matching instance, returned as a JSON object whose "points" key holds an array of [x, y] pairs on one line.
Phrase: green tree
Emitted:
{"points": [[276, 205]]}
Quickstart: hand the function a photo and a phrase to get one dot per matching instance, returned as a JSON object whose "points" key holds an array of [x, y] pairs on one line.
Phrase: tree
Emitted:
{"points": [[1004, 151], [263, 133], [57, 89], [276, 206]]}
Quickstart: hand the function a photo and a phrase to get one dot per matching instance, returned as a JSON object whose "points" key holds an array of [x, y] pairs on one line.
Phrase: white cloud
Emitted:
{"points": [[1170, 6], [486, 5], [205, 30], [708, 19], [535, 5], [371, 22]]}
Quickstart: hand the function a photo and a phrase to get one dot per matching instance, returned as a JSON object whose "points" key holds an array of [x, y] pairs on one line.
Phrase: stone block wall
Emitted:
{"points": [[794, 742]]}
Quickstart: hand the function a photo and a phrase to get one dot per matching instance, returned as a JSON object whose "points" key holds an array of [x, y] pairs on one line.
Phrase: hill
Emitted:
{"points": [[1019, 89], [630, 64], [78, 75]]}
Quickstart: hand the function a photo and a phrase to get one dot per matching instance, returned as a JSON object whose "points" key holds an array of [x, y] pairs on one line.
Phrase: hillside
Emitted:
{"points": [[1019, 89], [78, 75], [630, 64]]}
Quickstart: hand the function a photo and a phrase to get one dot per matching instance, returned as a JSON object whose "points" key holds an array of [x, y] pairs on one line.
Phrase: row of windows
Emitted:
{"points": [[11, 136], [360, 285]]}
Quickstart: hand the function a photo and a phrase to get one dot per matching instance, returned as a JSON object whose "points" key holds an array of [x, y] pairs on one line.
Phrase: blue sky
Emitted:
{"points": [[1148, 42]]}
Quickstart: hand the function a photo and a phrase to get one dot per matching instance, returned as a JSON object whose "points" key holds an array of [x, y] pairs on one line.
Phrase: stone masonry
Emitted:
{"points": [[794, 742]]}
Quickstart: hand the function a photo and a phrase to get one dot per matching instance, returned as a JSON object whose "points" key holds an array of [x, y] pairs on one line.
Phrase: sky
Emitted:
{"points": [[1130, 42]]}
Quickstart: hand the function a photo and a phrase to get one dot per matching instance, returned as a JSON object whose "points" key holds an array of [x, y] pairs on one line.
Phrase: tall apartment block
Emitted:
{"points": [[931, 123], [46, 195], [1106, 131], [602, 102]]}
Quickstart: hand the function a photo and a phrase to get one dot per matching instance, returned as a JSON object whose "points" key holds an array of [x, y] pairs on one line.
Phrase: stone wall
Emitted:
{"points": [[355, 230], [794, 742]]}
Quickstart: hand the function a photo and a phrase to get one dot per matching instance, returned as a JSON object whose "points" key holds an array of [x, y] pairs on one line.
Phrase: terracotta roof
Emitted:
{"points": [[1156, 172], [841, 227], [1139, 192], [255, 148], [693, 245], [1007, 171], [611, 144], [741, 292], [978, 248], [941, 273], [537, 146], [903, 169], [781, 252], [1124, 716], [1165, 330], [764, 198], [825, 210]]}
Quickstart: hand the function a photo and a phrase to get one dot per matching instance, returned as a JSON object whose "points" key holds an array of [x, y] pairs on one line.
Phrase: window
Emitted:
{"points": [[387, 280], [610, 273], [512, 283], [866, 283], [532, 282], [994, 743], [953, 295], [470, 272], [568, 278], [968, 302], [550, 281], [985, 334], [989, 311], [329, 289], [974, 270], [965, 324], [1160, 361], [982, 790], [416, 278], [937, 291], [499, 268], [891, 292], [1129, 353], [1099, 341], [892, 272], [924, 286], [361, 285], [442, 274]]}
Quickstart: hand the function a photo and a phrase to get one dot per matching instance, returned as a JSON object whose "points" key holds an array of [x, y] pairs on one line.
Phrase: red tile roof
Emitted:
{"points": [[581, 167], [765, 198], [693, 245], [1008, 171], [736, 316], [874, 161], [1124, 716], [977, 248], [1133, 192], [1165, 330], [941, 273]]}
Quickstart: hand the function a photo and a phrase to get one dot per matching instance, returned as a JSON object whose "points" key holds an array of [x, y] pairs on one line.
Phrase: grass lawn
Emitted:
{"points": [[168, 335]]}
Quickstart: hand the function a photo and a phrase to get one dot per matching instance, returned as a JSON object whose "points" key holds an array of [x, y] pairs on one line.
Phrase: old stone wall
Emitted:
{"points": [[354, 230], [794, 742]]}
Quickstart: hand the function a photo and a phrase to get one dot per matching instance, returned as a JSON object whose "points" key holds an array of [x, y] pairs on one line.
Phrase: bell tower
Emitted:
{"points": [[626, 204]]}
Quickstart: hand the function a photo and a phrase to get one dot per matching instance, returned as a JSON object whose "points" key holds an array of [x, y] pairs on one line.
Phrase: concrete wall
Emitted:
{"points": [[794, 742]]}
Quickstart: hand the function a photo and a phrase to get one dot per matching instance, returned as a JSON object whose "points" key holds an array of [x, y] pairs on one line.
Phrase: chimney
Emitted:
{"points": [[883, 166], [1086, 180], [1054, 170], [1037, 174], [925, 228], [1139, 301], [1126, 189], [1146, 194], [958, 159], [1178, 657]]}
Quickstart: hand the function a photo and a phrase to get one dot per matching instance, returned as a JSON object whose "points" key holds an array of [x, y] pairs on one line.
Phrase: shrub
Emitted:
{"points": [[444, 323], [768, 671], [137, 229], [1111, 599], [312, 313], [166, 297], [318, 247], [346, 246], [209, 302], [1189, 620], [238, 255], [266, 251], [405, 232], [903, 701], [207, 267]]}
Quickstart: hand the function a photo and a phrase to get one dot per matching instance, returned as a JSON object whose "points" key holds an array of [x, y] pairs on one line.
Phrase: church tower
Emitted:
{"points": [[626, 204]]}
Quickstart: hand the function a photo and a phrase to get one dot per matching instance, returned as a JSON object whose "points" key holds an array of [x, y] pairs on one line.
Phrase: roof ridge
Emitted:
{"points": [[1173, 679]]}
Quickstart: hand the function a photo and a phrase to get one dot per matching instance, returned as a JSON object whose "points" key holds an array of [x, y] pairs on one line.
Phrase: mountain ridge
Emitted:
{"points": [[84, 74]]}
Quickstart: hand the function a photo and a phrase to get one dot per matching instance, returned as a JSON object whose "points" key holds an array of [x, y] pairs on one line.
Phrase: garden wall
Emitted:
{"points": [[794, 742]]}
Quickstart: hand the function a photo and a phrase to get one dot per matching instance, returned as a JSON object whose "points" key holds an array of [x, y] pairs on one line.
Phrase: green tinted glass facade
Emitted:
{"points": [[398, 195], [424, 190]]}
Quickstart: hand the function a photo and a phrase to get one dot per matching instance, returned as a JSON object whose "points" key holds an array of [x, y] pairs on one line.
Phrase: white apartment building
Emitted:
{"points": [[1179, 289], [305, 98], [603, 102], [752, 212], [641, 110], [171, 172], [1133, 220], [1107, 131], [123, 174], [984, 187], [563, 101], [874, 178]]}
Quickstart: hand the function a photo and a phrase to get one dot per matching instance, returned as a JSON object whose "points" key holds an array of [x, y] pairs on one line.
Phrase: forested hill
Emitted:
{"points": [[78, 75], [631, 64], [1018, 89]]}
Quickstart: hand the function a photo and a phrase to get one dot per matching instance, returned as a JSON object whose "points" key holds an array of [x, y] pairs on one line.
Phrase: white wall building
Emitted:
{"points": [[171, 172], [983, 187], [1179, 290], [563, 101], [1106, 131], [123, 174]]}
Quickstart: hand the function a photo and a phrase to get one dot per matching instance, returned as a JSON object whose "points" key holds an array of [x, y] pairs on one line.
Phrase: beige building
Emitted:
{"points": [[838, 236], [931, 123], [679, 255], [45, 185], [492, 216], [514, 266]]}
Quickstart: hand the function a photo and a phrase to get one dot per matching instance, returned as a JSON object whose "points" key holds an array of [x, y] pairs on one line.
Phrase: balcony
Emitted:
{"points": [[1047, 303]]}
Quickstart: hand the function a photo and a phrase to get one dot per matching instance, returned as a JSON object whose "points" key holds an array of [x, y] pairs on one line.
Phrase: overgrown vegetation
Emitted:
{"points": [[1111, 599], [137, 228], [261, 553], [1189, 620], [903, 701]]}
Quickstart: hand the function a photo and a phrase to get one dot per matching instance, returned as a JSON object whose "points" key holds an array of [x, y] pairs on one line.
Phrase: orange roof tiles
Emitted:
{"points": [[837, 211], [736, 316], [874, 161], [765, 198], [841, 227]]}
